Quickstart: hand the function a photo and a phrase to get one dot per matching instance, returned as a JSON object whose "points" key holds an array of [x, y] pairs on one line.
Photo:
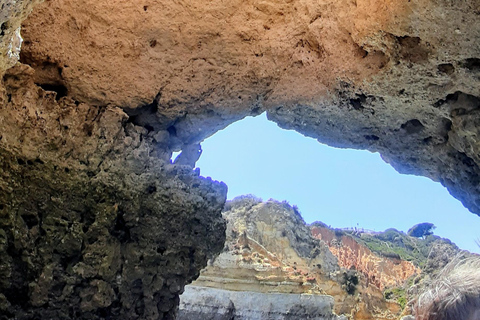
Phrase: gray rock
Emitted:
{"points": [[199, 303]]}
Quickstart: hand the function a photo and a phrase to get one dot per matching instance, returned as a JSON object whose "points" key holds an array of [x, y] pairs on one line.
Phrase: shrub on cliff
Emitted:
{"points": [[421, 230], [350, 281], [324, 225]]}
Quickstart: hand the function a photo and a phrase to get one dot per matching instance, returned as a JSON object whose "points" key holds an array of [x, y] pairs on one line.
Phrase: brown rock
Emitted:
{"points": [[399, 78], [270, 249], [378, 271]]}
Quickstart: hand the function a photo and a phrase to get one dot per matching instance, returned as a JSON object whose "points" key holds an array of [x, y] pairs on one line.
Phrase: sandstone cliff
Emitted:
{"points": [[270, 249], [379, 271]]}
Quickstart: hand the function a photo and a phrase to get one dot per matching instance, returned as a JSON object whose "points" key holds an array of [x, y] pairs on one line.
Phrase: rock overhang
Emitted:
{"points": [[399, 78]]}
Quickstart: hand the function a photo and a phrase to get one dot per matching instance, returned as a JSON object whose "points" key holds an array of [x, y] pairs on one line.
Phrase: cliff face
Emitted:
{"points": [[378, 271], [199, 303], [270, 249]]}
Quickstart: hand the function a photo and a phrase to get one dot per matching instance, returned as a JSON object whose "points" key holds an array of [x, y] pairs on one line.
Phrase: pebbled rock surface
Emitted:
{"points": [[398, 77], [91, 209], [207, 303]]}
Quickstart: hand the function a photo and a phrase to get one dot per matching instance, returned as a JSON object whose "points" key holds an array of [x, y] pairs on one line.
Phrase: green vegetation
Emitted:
{"points": [[321, 224], [350, 281], [422, 248], [396, 244], [421, 230], [397, 294]]}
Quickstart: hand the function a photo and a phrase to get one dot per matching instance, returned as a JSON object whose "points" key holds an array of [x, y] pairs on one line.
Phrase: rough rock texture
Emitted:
{"points": [[116, 85], [398, 77], [207, 303], [270, 249], [91, 209], [12, 14], [378, 271]]}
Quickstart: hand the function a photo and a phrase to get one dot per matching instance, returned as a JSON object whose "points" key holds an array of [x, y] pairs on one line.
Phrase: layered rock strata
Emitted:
{"points": [[199, 303], [270, 249], [378, 271]]}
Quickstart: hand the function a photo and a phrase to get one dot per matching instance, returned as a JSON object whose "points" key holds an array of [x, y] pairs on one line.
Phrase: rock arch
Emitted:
{"points": [[108, 89]]}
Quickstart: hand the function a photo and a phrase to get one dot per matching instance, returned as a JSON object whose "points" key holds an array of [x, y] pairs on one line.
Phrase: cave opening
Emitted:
{"points": [[340, 187]]}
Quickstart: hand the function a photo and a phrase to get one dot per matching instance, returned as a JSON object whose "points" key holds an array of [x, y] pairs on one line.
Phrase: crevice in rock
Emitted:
{"points": [[472, 64], [120, 229], [446, 68], [3, 27], [357, 103], [412, 49], [413, 126], [60, 89]]}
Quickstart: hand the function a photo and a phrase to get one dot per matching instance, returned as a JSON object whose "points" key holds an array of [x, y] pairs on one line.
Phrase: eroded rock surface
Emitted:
{"points": [[379, 271], [401, 78], [270, 250], [91, 209], [115, 85], [12, 14]]}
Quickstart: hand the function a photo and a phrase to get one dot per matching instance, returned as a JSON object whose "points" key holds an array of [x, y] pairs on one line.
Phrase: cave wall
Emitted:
{"points": [[95, 222], [12, 14]]}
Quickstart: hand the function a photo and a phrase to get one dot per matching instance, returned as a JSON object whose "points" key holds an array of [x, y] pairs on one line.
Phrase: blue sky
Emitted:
{"points": [[340, 187]]}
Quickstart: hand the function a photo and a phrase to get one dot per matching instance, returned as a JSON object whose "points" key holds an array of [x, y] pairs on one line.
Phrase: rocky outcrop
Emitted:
{"points": [[379, 271], [400, 78], [90, 212], [270, 249], [12, 14], [199, 303]]}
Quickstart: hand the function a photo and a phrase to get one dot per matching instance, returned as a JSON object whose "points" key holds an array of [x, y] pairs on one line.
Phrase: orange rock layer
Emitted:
{"points": [[382, 272]]}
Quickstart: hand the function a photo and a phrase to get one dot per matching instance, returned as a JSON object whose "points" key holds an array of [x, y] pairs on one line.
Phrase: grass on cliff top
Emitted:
{"points": [[396, 244]]}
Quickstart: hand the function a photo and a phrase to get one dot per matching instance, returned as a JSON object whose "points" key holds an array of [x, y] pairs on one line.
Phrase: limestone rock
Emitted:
{"points": [[95, 222], [189, 156], [12, 14], [207, 303], [401, 79]]}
